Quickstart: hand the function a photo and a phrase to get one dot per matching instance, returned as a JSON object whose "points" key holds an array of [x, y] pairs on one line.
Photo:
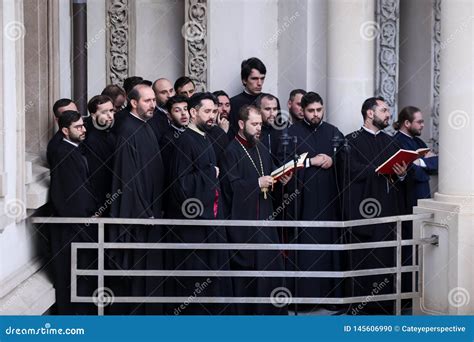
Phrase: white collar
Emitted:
{"points": [[195, 129], [72, 143], [139, 118], [406, 134], [371, 131]]}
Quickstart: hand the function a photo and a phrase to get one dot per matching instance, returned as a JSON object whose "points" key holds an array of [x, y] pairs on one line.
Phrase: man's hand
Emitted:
{"points": [[400, 169], [224, 124], [322, 160], [286, 178], [430, 154], [265, 181], [217, 171]]}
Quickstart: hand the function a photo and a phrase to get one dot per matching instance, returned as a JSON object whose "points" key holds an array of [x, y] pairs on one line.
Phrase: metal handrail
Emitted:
{"points": [[101, 245]]}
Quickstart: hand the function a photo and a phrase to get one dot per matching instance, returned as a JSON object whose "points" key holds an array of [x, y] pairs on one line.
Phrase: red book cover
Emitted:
{"points": [[406, 156]]}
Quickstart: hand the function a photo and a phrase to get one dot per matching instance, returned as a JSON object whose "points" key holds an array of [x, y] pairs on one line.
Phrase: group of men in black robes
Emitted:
{"points": [[208, 156]]}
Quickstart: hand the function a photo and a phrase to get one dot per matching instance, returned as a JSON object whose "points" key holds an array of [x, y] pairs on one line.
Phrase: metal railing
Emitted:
{"points": [[101, 246]]}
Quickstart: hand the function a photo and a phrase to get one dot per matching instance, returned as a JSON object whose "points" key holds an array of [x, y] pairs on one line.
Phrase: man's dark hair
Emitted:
{"points": [[310, 97], [195, 100], [249, 64], [218, 93], [407, 113], [67, 118], [135, 92], [113, 91], [96, 101], [131, 82], [258, 100], [244, 112], [295, 92], [175, 99], [59, 104], [182, 81], [370, 103]]}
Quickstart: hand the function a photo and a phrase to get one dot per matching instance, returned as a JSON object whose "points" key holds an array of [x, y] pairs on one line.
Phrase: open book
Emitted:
{"points": [[289, 167], [406, 156]]}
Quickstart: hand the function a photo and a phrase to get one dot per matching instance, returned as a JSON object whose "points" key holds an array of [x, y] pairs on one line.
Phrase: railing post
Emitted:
{"points": [[398, 301], [100, 268]]}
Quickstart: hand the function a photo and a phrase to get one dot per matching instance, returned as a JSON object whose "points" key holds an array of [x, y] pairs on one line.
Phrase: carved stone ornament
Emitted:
{"points": [[194, 32], [117, 40], [387, 52]]}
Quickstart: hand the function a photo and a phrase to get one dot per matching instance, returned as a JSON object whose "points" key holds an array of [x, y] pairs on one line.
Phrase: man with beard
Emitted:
{"points": [[409, 125], [269, 107], [318, 199], [99, 148], [195, 193], [223, 110], [365, 189], [294, 106], [117, 96], [128, 84], [252, 74], [218, 133], [71, 196], [246, 187], [138, 177], [59, 107], [160, 121]]}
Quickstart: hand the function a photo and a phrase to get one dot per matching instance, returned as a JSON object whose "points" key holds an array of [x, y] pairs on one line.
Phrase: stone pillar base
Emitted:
{"points": [[448, 272]]}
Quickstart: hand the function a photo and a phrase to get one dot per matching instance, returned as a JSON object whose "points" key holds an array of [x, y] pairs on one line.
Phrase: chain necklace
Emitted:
{"points": [[264, 190]]}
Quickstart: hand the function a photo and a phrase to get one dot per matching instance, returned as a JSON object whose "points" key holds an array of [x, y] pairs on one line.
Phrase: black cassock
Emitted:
{"points": [[99, 148], [138, 178], [195, 194], [371, 195], [245, 201], [317, 200], [52, 147], [219, 141], [71, 196]]}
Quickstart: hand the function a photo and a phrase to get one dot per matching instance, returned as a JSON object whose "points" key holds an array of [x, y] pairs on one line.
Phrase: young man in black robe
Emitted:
{"points": [[59, 107], [71, 196], [370, 195], [160, 121], [318, 199], [252, 74], [138, 177], [409, 125], [294, 106], [195, 194], [246, 187], [99, 148], [269, 107]]}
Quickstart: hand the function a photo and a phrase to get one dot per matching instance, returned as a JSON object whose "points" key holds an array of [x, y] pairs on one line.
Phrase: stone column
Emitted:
{"points": [[448, 277], [352, 31]]}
